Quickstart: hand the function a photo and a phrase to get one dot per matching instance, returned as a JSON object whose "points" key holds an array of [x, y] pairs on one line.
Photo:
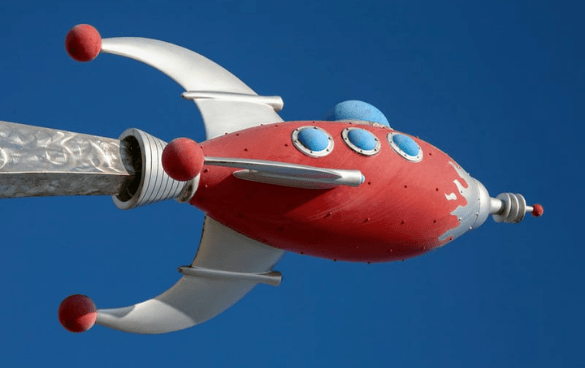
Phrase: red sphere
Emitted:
{"points": [[183, 159], [77, 313], [537, 210], [83, 42]]}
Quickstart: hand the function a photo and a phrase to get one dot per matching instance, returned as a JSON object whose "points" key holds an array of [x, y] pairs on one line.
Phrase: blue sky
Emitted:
{"points": [[499, 85]]}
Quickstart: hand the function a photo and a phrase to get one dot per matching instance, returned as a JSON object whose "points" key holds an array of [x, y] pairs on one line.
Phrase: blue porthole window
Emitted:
{"points": [[361, 141], [405, 147], [312, 141]]}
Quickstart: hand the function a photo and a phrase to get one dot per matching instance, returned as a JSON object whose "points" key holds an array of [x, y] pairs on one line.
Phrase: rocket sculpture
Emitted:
{"points": [[348, 188]]}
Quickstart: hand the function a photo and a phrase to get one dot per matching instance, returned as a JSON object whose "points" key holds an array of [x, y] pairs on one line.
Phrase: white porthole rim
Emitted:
{"points": [[397, 149], [345, 136], [316, 154]]}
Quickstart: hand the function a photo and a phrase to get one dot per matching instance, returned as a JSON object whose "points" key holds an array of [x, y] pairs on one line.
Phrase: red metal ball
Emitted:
{"points": [[183, 159], [537, 210], [83, 42], [77, 313]]}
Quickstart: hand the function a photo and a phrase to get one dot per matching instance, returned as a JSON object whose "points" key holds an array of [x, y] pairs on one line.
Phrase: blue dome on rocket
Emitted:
{"points": [[356, 110]]}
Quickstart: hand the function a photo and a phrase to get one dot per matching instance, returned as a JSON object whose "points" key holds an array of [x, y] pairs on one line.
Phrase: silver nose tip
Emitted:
{"points": [[507, 207], [511, 208]]}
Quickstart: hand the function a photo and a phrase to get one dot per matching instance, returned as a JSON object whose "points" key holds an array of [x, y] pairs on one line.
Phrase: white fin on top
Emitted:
{"points": [[225, 102]]}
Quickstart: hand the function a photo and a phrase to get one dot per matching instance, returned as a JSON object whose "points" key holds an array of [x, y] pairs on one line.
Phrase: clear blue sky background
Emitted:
{"points": [[499, 85]]}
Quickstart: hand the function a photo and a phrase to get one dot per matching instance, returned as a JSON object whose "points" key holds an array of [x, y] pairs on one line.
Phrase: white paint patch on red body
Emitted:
{"points": [[451, 196]]}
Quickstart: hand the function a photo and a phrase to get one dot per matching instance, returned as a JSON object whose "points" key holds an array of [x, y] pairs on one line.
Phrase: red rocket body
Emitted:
{"points": [[401, 210]]}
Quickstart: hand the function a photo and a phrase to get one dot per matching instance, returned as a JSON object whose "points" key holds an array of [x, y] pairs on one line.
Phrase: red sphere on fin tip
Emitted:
{"points": [[83, 42], [182, 159], [77, 313]]}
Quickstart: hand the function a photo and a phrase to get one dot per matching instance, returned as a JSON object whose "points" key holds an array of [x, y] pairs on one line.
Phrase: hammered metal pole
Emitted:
{"points": [[37, 161]]}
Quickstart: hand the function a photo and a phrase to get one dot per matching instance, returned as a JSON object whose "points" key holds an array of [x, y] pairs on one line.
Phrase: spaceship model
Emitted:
{"points": [[347, 188]]}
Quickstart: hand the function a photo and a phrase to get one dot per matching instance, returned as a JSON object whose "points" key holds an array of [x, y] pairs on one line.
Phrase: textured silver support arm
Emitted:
{"points": [[37, 161]]}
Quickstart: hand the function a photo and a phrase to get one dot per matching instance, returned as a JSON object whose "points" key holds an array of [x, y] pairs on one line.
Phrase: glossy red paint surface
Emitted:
{"points": [[400, 211]]}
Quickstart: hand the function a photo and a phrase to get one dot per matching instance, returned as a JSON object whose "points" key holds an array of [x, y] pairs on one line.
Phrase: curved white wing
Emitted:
{"points": [[225, 102], [227, 266]]}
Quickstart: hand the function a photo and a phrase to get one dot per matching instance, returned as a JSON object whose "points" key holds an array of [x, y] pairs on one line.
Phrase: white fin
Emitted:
{"points": [[202, 77], [195, 299]]}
